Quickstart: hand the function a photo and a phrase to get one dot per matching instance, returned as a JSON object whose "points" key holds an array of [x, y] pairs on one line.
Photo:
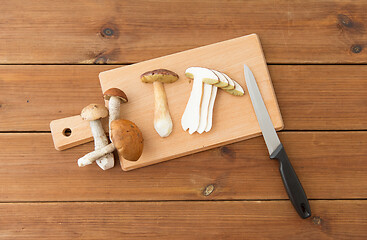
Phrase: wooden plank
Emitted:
{"points": [[321, 97], [32, 96], [310, 97], [329, 165], [130, 31], [183, 220]]}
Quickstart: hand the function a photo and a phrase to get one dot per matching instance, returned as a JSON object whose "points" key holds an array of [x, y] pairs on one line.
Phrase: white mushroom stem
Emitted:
{"points": [[191, 117], [114, 104], [204, 108], [96, 154], [99, 136], [100, 140], [162, 118], [211, 107]]}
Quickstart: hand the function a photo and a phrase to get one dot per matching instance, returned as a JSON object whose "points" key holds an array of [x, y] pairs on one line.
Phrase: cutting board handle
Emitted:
{"points": [[72, 131]]}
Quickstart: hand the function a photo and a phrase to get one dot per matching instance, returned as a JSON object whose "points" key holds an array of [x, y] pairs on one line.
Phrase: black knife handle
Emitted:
{"points": [[291, 183]]}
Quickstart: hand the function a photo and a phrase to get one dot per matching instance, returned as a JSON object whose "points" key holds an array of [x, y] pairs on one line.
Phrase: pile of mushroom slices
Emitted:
{"points": [[198, 115], [125, 136]]}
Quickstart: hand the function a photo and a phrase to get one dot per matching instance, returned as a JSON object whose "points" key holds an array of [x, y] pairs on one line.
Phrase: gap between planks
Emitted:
{"points": [[186, 201], [288, 130], [126, 64]]}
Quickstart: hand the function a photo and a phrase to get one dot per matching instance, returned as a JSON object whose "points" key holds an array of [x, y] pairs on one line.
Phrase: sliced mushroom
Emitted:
{"points": [[93, 113], [237, 91], [207, 93], [191, 117], [162, 118], [126, 138], [211, 107], [233, 87], [223, 82], [230, 82], [115, 97]]}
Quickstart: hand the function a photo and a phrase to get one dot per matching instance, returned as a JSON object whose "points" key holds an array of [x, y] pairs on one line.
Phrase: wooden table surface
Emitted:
{"points": [[51, 53]]}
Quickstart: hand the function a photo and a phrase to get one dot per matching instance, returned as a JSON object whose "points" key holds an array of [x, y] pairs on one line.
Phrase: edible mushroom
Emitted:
{"points": [[93, 113], [237, 91], [115, 97], [126, 138], [192, 114], [162, 118], [230, 82]]}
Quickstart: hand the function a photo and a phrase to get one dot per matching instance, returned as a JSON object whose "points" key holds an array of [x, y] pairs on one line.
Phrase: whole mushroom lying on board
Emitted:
{"points": [[162, 118], [126, 138], [93, 113], [198, 115]]}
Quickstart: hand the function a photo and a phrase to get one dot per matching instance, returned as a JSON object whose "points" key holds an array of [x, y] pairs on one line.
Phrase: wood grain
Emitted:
{"points": [[310, 97], [233, 120], [321, 97], [182, 220], [130, 31], [32, 96], [73, 131], [329, 164], [156, 200]]}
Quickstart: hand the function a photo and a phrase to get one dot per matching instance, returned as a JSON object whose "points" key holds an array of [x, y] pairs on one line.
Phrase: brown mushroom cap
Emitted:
{"points": [[94, 112], [116, 93], [127, 138], [161, 75]]}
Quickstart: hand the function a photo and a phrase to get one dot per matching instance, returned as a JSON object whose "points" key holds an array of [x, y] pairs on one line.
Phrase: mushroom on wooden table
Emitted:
{"points": [[115, 97], [126, 138], [93, 113], [162, 118]]}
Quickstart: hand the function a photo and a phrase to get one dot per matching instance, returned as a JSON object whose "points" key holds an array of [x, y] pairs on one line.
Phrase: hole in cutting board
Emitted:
{"points": [[66, 132]]}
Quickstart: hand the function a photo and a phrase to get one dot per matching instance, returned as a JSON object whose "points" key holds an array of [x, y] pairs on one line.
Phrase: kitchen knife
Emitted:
{"points": [[276, 150]]}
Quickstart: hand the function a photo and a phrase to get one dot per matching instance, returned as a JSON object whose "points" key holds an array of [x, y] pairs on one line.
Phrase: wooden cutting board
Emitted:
{"points": [[233, 118]]}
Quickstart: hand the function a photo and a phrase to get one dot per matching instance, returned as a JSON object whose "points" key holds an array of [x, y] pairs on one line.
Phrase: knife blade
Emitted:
{"points": [[276, 150]]}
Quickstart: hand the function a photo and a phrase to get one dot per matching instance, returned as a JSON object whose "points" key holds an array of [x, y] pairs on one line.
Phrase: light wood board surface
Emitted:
{"points": [[234, 118], [72, 131]]}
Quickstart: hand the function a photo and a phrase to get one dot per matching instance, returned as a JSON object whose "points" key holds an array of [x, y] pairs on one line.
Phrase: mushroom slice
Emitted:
{"points": [[204, 108], [233, 87], [211, 107], [223, 82], [191, 117], [237, 91], [230, 82]]}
